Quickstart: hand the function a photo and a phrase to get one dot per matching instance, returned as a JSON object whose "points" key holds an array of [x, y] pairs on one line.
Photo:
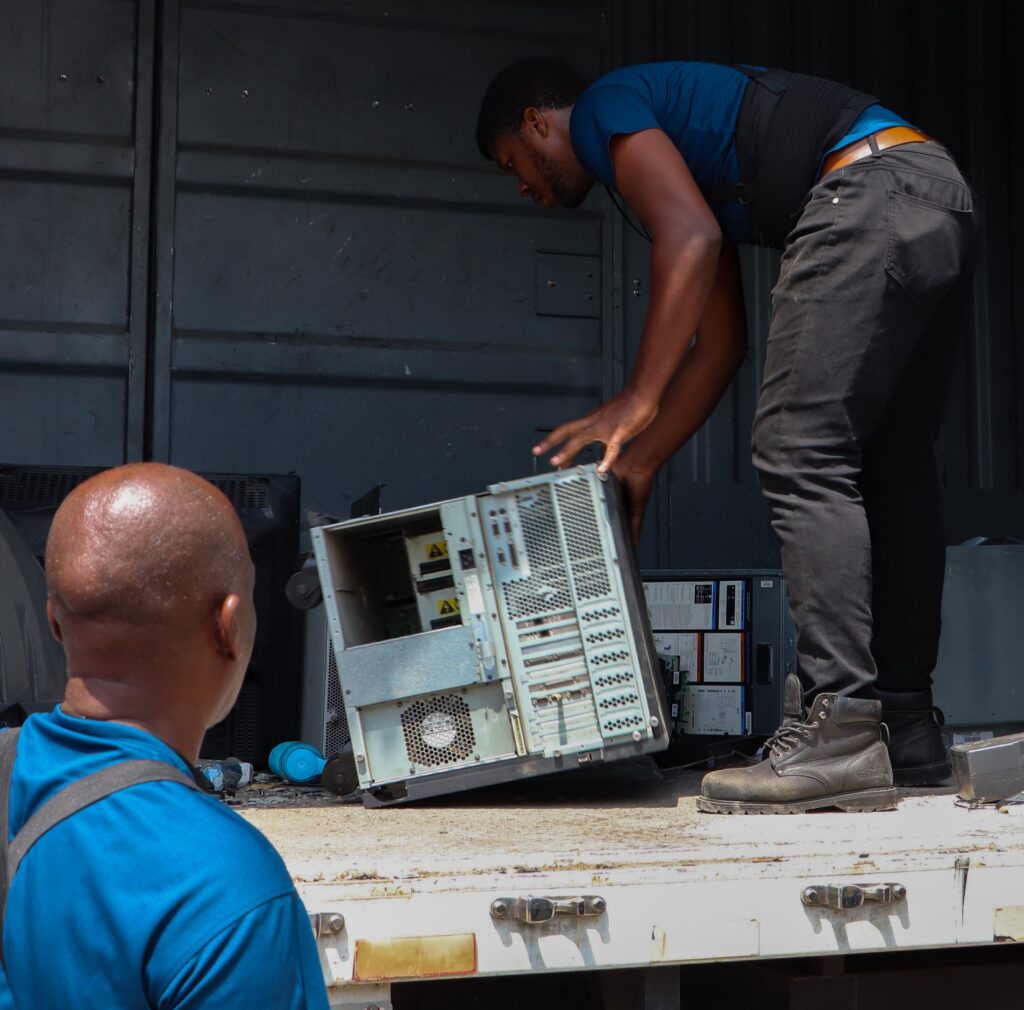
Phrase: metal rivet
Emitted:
{"points": [[835, 199], [551, 284], [209, 91], [408, 106], [375, 104], [62, 77], [245, 92], [100, 79]]}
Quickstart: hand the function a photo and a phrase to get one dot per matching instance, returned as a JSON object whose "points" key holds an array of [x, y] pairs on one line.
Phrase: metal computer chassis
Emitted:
{"points": [[491, 638]]}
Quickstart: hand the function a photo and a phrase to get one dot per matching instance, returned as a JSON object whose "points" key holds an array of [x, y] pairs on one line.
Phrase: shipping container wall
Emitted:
{"points": [[75, 116], [352, 291], [258, 237]]}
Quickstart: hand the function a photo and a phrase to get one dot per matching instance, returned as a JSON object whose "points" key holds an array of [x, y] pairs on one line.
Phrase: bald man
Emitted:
{"points": [[163, 897]]}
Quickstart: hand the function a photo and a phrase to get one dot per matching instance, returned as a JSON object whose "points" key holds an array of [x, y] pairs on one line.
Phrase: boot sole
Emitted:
{"points": [[862, 801], [923, 775]]}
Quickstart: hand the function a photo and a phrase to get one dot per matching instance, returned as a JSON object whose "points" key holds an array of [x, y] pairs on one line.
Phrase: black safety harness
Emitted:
{"points": [[72, 798], [785, 125]]}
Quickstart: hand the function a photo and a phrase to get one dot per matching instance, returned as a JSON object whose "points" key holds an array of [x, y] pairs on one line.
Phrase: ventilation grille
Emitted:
{"points": [[336, 733], [575, 657], [438, 731], [614, 679], [577, 510], [611, 635], [601, 614], [612, 701], [242, 492], [626, 722], [30, 486], [547, 588]]}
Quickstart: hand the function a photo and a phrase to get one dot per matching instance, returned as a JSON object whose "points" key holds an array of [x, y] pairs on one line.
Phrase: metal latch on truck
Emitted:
{"points": [[531, 909], [851, 895]]}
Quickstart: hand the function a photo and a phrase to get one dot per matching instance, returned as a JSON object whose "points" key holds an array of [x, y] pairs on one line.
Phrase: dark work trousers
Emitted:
{"points": [[864, 324]]}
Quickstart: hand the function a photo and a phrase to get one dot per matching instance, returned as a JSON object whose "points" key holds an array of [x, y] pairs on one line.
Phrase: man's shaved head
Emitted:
{"points": [[150, 593], [147, 547]]}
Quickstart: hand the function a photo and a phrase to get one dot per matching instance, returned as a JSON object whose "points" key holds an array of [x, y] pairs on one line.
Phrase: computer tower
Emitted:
{"points": [[492, 637], [726, 642], [323, 710]]}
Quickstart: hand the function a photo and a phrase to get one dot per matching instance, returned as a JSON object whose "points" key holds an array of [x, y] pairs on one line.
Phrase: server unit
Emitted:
{"points": [[323, 710], [491, 637], [725, 641]]}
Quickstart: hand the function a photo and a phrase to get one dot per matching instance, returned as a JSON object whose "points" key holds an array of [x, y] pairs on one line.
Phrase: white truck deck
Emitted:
{"points": [[416, 884]]}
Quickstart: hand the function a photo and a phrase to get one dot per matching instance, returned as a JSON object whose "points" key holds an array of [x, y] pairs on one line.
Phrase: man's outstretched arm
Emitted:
{"points": [[698, 385], [652, 176]]}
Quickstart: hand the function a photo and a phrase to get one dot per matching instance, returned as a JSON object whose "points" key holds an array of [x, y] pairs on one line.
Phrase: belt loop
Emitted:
{"points": [[872, 143]]}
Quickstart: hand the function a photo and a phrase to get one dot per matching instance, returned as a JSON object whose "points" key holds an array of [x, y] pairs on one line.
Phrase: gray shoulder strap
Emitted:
{"points": [[8, 748], [84, 793], [72, 798]]}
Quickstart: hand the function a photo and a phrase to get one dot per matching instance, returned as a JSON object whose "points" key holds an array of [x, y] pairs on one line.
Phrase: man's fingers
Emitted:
{"points": [[611, 454], [567, 453], [637, 524], [559, 435]]}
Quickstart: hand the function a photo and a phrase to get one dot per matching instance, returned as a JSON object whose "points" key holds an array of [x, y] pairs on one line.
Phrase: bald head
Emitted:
{"points": [[147, 547]]}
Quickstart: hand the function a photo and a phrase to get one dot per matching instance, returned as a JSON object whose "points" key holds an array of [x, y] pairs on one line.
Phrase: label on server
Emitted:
{"points": [[684, 648], [711, 709], [732, 603], [724, 660], [474, 597], [681, 606]]}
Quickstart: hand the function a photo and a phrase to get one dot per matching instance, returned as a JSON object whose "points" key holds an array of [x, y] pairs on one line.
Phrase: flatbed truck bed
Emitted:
{"points": [[416, 886]]}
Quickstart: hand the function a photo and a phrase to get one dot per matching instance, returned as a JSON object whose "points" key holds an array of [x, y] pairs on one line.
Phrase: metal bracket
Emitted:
{"points": [[326, 923], [851, 895], [532, 909]]}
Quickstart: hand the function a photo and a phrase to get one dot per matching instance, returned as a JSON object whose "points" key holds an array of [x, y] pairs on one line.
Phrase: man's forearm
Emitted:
{"points": [[682, 273], [705, 373], [689, 400]]}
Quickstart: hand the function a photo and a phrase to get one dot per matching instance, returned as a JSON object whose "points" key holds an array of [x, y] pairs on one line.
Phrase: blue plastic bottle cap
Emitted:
{"points": [[297, 762]]}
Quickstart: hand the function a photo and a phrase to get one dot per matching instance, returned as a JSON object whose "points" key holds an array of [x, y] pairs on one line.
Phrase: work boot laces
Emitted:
{"points": [[791, 735]]}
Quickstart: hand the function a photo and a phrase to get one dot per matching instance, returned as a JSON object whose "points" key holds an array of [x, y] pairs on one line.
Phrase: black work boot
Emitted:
{"points": [[916, 748], [792, 700], [835, 758]]}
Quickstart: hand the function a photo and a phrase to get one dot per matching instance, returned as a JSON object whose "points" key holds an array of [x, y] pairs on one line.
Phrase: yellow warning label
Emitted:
{"points": [[446, 607], [437, 550]]}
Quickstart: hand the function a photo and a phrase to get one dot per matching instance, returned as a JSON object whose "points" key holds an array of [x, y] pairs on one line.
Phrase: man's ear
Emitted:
{"points": [[52, 621], [534, 121], [227, 634]]}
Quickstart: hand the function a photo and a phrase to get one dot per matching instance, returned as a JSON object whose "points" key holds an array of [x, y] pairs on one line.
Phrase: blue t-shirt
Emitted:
{"points": [[157, 897], [697, 105]]}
